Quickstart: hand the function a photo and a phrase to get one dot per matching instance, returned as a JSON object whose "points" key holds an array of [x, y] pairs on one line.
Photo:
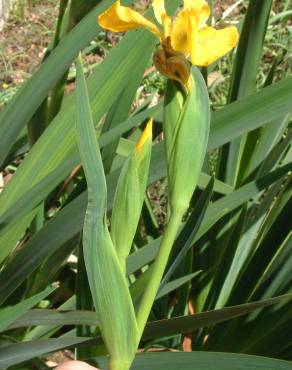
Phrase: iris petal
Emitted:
{"points": [[118, 18], [200, 8], [213, 44], [159, 10], [179, 32], [161, 16], [190, 19]]}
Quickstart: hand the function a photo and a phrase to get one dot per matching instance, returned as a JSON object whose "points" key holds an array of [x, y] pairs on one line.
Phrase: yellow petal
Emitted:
{"points": [[146, 134], [166, 22], [159, 10], [118, 18], [179, 32], [200, 9], [185, 26], [161, 16], [213, 44], [193, 33]]}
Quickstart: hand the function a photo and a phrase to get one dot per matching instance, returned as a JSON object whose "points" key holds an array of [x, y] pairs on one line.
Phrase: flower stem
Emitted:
{"points": [[118, 364], [158, 270]]}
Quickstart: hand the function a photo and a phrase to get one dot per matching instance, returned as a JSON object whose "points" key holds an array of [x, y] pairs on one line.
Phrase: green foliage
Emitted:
{"points": [[111, 296], [217, 275]]}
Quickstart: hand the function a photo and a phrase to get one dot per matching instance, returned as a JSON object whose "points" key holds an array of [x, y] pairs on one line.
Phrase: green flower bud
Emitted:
{"points": [[186, 127]]}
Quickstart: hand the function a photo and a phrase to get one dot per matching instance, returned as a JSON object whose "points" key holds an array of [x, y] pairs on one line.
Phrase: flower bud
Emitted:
{"points": [[186, 128], [129, 195]]}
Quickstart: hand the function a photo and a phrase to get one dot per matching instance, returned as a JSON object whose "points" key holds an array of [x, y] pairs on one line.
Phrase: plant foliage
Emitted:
{"points": [[220, 285]]}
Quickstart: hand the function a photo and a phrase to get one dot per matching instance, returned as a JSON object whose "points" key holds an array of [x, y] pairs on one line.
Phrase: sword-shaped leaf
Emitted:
{"points": [[108, 284]]}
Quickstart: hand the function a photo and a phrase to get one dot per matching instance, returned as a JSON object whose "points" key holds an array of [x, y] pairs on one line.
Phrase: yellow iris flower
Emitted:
{"points": [[185, 36]]}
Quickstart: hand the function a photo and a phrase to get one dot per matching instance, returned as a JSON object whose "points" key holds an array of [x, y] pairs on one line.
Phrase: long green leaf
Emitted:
{"points": [[204, 361], [251, 112], [155, 329], [110, 293], [186, 324], [9, 315], [243, 82], [46, 317], [12, 354]]}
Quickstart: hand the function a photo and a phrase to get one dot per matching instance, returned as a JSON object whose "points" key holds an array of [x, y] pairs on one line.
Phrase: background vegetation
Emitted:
{"points": [[229, 275]]}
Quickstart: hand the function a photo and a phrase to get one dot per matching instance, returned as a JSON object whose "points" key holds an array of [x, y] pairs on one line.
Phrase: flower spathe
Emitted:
{"points": [[185, 36]]}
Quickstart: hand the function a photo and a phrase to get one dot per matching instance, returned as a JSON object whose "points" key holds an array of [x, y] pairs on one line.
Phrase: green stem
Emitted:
{"points": [[62, 10], [118, 365], [57, 93], [158, 270]]}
